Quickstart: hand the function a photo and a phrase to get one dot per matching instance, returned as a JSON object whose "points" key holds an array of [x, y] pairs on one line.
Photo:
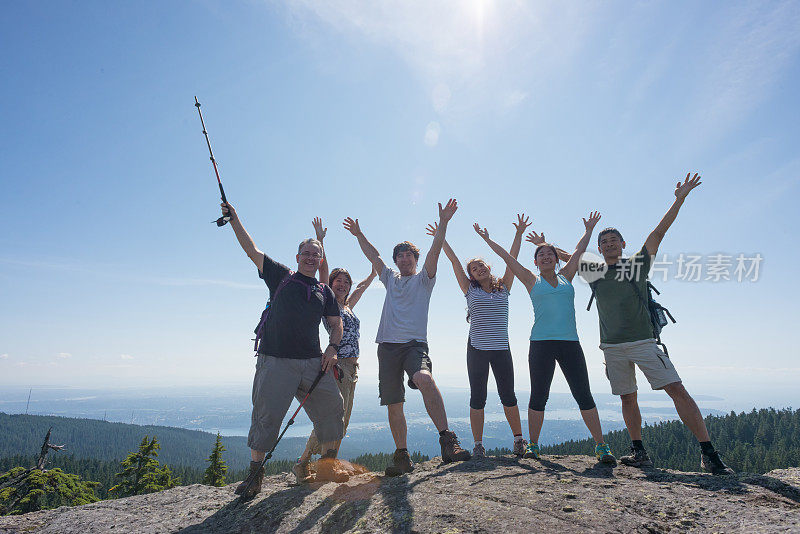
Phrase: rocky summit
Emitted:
{"points": [[492, 495]]}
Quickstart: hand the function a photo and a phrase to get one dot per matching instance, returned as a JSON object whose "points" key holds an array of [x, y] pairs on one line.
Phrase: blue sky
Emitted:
{"points": [[111, 275]]}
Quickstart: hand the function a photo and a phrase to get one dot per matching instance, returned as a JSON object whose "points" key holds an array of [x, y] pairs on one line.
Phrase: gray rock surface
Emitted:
{"points": [[492, 495]]}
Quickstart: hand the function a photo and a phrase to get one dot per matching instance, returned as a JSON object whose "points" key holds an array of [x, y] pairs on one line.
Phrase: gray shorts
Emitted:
{"points": [[621, 372], [277, 382], [393, 359]]}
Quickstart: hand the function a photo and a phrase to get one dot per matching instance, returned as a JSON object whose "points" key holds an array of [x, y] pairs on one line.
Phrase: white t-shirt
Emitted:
{"points": [[405, 311]]}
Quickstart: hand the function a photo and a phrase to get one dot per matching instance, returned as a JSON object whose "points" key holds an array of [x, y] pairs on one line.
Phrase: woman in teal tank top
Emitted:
{"points": [[554, 336]]}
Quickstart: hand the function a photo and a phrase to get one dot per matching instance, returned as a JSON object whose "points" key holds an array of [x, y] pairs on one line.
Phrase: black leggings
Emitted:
{"points": [[542, 358], [478, 362]]}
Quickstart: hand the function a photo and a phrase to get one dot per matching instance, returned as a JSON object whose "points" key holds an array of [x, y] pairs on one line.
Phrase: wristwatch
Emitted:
{"points": [[334, 345]]}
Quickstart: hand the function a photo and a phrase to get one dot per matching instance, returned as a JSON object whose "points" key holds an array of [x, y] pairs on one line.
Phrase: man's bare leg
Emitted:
{"points": [[631, 415], [688, 411], [397, 424], [434, 403]]}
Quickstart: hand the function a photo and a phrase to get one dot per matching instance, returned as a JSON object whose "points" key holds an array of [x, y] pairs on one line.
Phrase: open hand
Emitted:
{"points": [[483, 232], [536, 239], [431, 229], [522, 223], [592, 221], [321, 232], [446, 213], [682, 189], [352, 226]]}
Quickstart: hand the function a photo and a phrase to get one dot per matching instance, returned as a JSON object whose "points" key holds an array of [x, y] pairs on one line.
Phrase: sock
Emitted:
{"points": [[637, 444], [517, 437], [402, 450], [443, 432], [478, 442], [706, 447]]}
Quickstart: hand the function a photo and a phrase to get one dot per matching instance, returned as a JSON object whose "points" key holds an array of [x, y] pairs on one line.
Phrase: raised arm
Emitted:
{"points": [[525, 276], [461, 276], [569, 270], [522, 223], [366, 247], [538, 239], [321, 232], [242, 236], [362, 286], [432, 258], [681, 190]]}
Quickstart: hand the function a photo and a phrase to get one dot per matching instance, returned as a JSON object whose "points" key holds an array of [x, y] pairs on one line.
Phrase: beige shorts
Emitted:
{"points": [[621, 372]]}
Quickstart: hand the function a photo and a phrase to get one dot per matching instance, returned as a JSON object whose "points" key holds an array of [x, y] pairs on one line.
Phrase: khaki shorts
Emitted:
{"points": [[277, 382], [621, 372], [393, 360], [347, 386]]}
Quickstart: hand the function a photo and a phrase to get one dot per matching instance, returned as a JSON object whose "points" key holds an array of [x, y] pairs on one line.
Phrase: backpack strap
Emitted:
{"points": [[259, 331]]}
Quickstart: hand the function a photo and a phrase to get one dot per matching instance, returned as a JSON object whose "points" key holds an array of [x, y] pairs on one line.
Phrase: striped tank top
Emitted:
{"points": [[488, 318]]}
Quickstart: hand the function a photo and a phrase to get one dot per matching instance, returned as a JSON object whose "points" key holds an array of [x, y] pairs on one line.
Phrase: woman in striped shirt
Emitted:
{"points": [[487, 345], [554, 336]]}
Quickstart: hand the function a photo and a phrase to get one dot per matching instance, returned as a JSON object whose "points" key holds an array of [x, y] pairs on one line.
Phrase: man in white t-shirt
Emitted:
{"points": [[403, 339]]}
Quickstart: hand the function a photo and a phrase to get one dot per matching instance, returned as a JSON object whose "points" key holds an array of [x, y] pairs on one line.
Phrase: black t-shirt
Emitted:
{"points": [[292, 328]]}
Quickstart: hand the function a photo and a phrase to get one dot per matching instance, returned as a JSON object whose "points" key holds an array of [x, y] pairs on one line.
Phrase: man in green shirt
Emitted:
{"points": [[627, 337]]}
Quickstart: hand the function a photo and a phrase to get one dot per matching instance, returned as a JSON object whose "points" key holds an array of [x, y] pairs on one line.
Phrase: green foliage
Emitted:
{"points": [[755, 442], [381, 460], [102, 440], [215, 472], [142, 473], [27, 490]]}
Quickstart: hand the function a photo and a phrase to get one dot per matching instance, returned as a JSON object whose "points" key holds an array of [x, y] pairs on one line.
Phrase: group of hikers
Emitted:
{"points": [[290, 356]]}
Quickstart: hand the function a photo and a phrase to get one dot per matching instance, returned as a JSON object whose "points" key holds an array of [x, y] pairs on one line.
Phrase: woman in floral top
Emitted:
{"points": [[340, 282]]}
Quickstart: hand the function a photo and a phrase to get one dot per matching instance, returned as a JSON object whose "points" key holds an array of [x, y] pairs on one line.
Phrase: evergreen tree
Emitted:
{"points": [[215, 472], [28, 490], [141, 472]]}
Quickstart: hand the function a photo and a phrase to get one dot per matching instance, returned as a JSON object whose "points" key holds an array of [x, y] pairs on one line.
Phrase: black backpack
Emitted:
{"points": [[658, 313]]}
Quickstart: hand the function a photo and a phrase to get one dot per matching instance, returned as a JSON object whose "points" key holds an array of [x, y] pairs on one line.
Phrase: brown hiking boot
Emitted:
{"points": [[252, 483], [302, 472], [401, 464], [451, 449], [329, 470]]}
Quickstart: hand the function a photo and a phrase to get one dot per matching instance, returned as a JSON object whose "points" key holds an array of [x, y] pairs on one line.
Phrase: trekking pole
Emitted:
{"points": [[225, 218], [253, 476]]}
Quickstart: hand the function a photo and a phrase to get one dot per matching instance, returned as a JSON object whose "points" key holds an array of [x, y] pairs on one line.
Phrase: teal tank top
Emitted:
{"points": [[553, 311]]}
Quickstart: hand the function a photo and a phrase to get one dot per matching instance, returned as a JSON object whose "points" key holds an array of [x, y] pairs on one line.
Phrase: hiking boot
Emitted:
{"points": [[401, 464], [302, 472], [520, 445], [603, 454], [252, 483], [478, 451], [637, 458], [531, 451], [329, 470], [712, 463], [451, 449]]}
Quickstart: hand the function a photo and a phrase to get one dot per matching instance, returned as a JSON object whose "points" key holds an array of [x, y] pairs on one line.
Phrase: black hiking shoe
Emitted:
{"points": [[712, 463], [637, 458], [451, 449], [401, 464], [252, 483]]}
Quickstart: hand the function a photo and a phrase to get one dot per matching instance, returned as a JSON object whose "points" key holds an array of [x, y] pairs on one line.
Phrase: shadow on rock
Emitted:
{"points": [[263, 515]]}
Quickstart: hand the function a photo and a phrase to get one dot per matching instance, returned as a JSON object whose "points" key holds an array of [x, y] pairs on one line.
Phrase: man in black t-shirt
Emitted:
{"points": [[290, 357]]}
